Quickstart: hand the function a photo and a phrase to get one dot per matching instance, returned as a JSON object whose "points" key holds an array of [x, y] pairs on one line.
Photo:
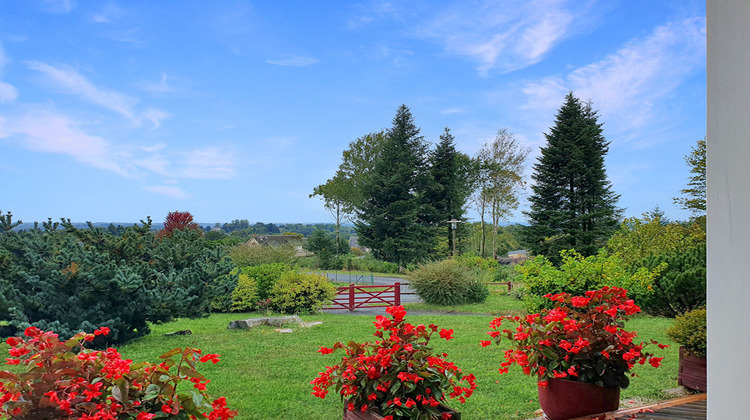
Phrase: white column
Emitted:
{"points": [[728, 156]]}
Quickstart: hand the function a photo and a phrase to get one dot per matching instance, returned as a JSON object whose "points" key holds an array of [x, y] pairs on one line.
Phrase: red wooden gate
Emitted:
{"points": [[352, 297]]}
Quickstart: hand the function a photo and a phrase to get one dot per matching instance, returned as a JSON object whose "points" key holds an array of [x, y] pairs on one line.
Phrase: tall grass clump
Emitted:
{"points": [[448, 283]]}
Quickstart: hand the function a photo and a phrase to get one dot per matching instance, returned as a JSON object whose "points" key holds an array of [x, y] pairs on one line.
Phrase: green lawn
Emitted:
{"points": [[265, 375]]}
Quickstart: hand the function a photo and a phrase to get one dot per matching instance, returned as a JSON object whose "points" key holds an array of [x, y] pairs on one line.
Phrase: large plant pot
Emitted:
{"points": [[563, 399], [371, 415], [692, 371]]}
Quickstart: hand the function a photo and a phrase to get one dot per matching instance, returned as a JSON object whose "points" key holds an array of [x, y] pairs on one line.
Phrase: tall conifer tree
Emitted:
{"points": [[572, 205], [392, 216], [449, 187]]}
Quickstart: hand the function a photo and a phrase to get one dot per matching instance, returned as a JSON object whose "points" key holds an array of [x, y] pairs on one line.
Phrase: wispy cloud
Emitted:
{"points": [[504, 36], [373, 12], [109, 14], [58, 6], [631, 80], [44, 131], [8, 92], [208, 163], [296, 61], [70, 81], [156, 116], [162, 86], [169, 191]]}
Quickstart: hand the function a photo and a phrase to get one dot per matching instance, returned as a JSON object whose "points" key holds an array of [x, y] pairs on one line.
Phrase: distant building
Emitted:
{"points": [[281, 240], [354, 243], [520, 254]]}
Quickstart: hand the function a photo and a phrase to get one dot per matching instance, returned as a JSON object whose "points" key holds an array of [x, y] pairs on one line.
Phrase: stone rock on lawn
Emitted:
{"points": [[270, 321], [284, 330]]}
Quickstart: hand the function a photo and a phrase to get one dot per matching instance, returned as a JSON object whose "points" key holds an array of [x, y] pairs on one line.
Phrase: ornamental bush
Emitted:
{"points": [[448, 283], [64, 380], [301, 293], [265, 275], [690, 331], [681, 286], [66, 279], [577, 274], [245, 295]]}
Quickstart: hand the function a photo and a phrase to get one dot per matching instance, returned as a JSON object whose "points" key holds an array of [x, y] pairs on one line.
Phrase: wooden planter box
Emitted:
{"points": [[692, 371], [369, 415]]}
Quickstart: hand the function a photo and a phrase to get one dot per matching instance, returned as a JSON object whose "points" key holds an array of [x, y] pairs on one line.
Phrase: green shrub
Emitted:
{"points": [[371, 264], [472, 261], [245, 255], [265, 275], [577, 275], [448, 283], [690, 331], [245, 295], [680, 287], [70, 280], [301, 293]]}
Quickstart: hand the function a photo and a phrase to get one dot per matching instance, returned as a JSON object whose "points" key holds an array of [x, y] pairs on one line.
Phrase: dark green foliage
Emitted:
{"points": [[393, 215], [448, 283], [324, 247], [680, 287], [695, 195], [70, 280], [301, 293], [572, 205], [448, 188], [689, 330], [265, 275]]}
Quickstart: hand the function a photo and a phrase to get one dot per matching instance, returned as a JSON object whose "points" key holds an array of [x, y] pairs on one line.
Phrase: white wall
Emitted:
{"points": [[728, 152]]}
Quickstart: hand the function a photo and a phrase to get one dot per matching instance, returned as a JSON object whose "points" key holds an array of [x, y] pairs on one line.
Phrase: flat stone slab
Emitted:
{"points": [[246, 324]]}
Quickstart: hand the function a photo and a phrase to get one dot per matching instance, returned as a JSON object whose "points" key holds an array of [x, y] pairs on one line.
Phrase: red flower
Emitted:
{"points": [[485, 343], [322, 350], [446, 334]]}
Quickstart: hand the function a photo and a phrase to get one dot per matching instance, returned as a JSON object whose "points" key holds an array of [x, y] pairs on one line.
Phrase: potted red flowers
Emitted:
{"points": [[578, 349], [397, 376], [64, 380]]}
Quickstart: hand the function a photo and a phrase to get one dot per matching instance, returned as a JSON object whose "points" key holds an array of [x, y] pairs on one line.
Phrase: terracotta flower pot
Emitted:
{"points": [[692, 371], [371, 415], [563, 399]]}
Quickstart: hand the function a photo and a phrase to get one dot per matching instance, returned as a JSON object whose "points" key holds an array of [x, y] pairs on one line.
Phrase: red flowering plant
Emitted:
{"points": [[397, 375], [581, 338], [64, 380]]}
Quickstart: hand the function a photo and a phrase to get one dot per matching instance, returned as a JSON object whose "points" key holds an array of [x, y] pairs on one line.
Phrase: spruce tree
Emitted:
{"points": [[572, 205], [393, 215], [449, 187]]}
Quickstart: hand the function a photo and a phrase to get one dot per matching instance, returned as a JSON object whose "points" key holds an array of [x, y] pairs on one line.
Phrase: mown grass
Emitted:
{"points": [[266, 375], [497, 303]]}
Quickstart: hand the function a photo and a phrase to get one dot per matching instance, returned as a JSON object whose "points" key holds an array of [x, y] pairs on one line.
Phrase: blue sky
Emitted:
{"points": [[114, 111]]}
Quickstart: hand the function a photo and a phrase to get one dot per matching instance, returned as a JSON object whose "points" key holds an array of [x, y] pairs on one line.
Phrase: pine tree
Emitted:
{"points": [[695, 195], [572, 205], [392, 216], [449, 187]]}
